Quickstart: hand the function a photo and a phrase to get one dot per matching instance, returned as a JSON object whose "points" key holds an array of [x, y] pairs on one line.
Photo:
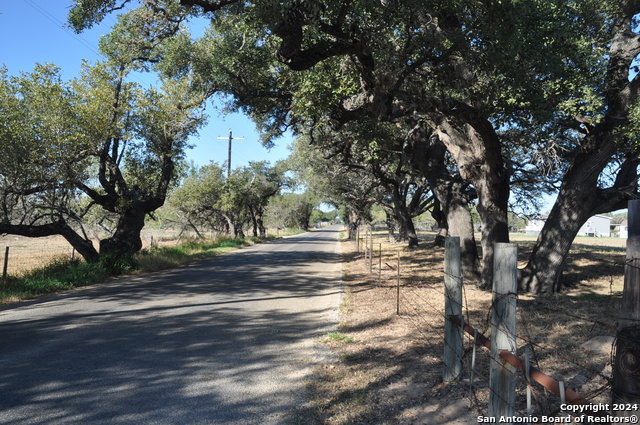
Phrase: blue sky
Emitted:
{"points": [[34, 31]]}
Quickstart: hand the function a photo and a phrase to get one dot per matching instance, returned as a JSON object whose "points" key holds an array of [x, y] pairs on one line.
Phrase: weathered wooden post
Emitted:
{"points": [[473, 366], [625, 386], [6, 264], [380, 262], [453, 348], [563, 397], [502, 375], [371, 250], [527, 375], [398, 288]]}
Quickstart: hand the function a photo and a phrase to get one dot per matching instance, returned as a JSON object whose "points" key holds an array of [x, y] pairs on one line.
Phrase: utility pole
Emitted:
{"points": [[231, 139]]}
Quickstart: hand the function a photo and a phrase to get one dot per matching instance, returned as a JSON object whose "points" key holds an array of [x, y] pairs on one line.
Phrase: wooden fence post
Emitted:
{"points": [[371, 250], [502, 375], [473, 367], [625, 386], [563, 397], [453, 348], [6, 264], [527, 375], [380, 262], [398, 288]]}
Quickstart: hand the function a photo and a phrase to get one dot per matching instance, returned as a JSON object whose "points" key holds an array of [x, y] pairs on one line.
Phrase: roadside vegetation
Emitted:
{"points": [[64, 273], [414, 108]]}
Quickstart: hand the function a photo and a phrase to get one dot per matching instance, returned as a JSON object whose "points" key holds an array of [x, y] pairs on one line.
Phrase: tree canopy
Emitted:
{"points": [[499, 84], [96, 142]]}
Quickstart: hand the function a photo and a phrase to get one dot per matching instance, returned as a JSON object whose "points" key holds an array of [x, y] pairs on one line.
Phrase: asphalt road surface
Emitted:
{"points": [[229, 340]]}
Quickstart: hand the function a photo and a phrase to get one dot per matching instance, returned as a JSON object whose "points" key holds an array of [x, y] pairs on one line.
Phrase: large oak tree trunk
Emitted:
{"points": [[485, 169], [392, 223], [262, 230], [254, 221], [580, 195], [352, 222], [126, 238], [453, 198], [459, 223], [579, 198], [544, 270], [405, 220], [478, 154]]}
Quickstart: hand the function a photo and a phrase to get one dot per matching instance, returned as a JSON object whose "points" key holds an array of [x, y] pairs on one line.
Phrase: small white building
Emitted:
{"points": [[535, 225], [624, 229], [598, 225]]}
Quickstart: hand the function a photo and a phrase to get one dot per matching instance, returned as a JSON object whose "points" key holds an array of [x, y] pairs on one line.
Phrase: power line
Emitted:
{"points": [[62, 26], [204, 132]]}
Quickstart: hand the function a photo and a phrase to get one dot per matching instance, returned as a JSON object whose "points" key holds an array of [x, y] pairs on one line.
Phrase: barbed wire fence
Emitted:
{"points": [[19, 255], [511, 374]]}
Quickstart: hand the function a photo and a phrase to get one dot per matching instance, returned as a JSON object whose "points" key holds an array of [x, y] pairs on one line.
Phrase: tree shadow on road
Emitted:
{"points": [[178, 346]]}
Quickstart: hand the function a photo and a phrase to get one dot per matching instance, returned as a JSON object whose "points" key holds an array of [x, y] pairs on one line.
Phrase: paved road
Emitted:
{"points": [[222, 341]]}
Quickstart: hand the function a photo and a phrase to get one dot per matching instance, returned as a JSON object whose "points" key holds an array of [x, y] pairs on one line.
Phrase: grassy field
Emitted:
{"points": [[26, 254], [45, 268]]}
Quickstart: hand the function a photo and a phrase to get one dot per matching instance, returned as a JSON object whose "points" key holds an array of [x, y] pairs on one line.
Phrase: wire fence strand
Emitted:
{"points": [[422, 306]]}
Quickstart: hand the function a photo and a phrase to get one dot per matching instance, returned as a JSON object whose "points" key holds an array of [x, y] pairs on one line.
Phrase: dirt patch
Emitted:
{"points": [[388, 367]]}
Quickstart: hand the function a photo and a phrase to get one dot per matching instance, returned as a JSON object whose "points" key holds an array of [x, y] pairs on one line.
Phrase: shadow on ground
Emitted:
{"points": [[179, 346]]}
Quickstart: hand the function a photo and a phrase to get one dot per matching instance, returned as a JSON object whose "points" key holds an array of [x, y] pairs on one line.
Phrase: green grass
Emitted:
{"points": [[63, 274], [338, 337], [167, 257], [60, 275]]}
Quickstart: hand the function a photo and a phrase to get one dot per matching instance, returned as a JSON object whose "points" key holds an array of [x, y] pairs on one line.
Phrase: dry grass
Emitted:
{"points": [[26, 254], [391, 371], [30, 253]]}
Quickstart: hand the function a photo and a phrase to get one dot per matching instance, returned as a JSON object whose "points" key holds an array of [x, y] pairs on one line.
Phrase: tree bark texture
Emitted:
{"points": [[459, 223], [478, 154], [451, 209], [404, 217], [580, 195], [126, 238], [579, 199]]}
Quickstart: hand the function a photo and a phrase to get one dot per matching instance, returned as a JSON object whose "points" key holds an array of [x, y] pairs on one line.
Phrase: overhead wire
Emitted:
{"points": [[62, 26], [205, 133]]}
